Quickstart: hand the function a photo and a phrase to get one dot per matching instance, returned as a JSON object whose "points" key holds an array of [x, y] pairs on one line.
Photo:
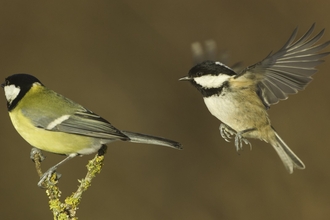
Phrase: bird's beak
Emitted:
{"points": [[186, 78], [3, 85]]}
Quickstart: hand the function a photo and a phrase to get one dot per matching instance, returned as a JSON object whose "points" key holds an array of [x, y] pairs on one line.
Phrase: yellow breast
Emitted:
{"points": [[55, 142]]}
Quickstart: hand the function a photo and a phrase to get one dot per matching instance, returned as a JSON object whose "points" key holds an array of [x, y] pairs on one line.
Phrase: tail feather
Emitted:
{"points": [[289, 159], [148, 139]]}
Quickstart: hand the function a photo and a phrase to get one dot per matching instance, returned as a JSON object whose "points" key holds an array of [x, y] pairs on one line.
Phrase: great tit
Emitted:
{"points": [[240, 100], [51, 122]]}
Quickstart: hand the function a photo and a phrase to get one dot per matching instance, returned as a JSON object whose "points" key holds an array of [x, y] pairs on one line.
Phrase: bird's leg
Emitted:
{"points": [[239, 138], [37, 157], [226, 132], [48, 174]]}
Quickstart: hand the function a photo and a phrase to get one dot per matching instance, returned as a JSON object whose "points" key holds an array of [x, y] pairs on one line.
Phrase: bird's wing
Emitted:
{"points": [[81, 122], [289, 70], [89, 124]]}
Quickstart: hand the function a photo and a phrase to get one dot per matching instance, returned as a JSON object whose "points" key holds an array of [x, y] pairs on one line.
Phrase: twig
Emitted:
{"points": [[68, 209]]}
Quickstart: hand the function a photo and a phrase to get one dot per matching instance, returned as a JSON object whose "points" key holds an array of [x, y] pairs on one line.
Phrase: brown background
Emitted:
{"points": [[123, 60]]}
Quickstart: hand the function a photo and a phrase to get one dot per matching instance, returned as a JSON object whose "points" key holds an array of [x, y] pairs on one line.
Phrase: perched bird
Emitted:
{"points": [[240, 100], [51, 122]]}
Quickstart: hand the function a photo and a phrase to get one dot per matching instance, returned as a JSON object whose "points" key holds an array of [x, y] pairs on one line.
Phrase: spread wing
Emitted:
{"points": [[289, 70]]}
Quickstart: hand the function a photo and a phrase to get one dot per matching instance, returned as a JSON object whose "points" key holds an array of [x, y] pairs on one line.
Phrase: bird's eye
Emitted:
{"points": [[198, 74]]}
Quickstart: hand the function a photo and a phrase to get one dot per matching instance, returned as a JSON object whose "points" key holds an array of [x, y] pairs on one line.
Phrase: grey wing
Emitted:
{"points": [[289, 70], [86, 123]]}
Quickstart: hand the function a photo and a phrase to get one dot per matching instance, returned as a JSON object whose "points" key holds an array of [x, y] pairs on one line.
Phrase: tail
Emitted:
{"points": [[148, 139], [289, 159]]}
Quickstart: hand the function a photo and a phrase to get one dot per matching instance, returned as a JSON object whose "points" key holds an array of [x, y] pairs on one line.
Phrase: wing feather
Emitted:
{"points": [[89, 124], [288, 70]]}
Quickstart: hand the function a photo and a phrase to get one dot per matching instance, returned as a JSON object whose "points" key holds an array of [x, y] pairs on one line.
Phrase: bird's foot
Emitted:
{"points": [[238, 142], [35, 151], [47, 177], [226, 132]]}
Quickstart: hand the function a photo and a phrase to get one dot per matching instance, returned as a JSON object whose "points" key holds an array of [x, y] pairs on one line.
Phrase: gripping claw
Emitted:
{"points": [[35, 151], [226, 132], [47, 175], [238, 142]]}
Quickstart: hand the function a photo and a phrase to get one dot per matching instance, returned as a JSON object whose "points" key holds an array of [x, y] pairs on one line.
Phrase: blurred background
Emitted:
{"points": [[122, 60]]}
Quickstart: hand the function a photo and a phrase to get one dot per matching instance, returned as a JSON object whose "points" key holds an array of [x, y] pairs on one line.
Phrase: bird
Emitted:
{"points": [[51, 122], [240, 99]]}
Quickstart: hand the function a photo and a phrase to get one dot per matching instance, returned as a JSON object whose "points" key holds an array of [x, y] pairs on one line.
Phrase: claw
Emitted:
{"points": [[238, 142], [226, 132], [47, 175], [35, 151], [247, 142]]}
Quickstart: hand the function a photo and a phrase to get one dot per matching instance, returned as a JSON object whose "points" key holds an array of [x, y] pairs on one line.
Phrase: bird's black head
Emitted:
{"points": [[21, 80], [16, 86], [210, 68], [209, 77]]}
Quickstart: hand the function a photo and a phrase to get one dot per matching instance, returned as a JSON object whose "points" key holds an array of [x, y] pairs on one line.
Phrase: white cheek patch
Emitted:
{"points": [[11, 92], [57, 121], [210, 81]]}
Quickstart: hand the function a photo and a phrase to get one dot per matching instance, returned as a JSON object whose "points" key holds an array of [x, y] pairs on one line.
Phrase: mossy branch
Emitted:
{"points": [[68, 209]]}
